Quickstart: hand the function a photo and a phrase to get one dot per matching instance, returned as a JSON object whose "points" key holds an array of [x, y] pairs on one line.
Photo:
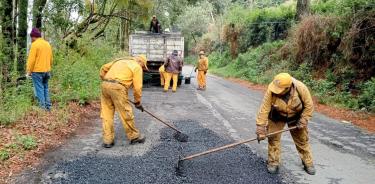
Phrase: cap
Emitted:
{"points": [[143, 58], [201, 52], [280, 82], [175, 52], [35, 33]]}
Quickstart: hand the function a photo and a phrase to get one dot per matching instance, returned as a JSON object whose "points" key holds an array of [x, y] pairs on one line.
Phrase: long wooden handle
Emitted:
{"points": [[233, 144], [165, 123]]}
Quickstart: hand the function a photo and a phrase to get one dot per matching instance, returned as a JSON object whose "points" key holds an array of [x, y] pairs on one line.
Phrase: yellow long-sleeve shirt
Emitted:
{"points": [[40, 57], [294, 105], [202, 64], [126, 71]]}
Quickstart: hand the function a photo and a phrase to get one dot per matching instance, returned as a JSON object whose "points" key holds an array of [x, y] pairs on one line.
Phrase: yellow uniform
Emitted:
{"points": [[298, 105], [202, 67], [119, 76], [40, 57], [162, 75]]}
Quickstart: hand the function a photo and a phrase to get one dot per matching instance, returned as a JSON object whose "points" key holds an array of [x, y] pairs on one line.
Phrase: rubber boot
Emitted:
{"points": [[273, 169], [140, 139], [108, 145], [309, 169]]}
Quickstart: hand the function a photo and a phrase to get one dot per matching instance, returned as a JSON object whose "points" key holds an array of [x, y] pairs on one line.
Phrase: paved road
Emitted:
{"points": [[224, 113]]}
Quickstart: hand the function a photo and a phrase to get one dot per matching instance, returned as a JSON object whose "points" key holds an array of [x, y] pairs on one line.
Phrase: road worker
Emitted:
{"points": [[118, 77], [286, 101], [162, 73], [173, 66], [39, 64], [202, 67]]}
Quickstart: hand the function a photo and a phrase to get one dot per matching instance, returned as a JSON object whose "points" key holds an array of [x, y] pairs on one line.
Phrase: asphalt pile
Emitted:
{"points": [[237, 165]]}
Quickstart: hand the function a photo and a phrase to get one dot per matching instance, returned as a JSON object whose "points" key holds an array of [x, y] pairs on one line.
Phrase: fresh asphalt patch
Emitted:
{"points": [[236, 165]]}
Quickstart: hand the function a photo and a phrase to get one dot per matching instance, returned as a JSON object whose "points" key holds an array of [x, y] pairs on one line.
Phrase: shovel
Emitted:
{"points": [[180, 161], [181, 137]]}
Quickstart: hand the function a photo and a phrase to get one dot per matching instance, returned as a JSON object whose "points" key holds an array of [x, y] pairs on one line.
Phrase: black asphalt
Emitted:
{"points": [[237, 165]]}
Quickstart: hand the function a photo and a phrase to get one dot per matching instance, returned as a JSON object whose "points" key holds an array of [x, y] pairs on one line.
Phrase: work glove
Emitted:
{"points": [[195, 69], [205, 72], [301, 124], [139, 106], [261, 132]]}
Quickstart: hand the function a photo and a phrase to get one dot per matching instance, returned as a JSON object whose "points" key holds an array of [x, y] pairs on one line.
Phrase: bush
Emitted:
{"points": [[367, 97], [27, 142], [258, 26], [4, 155]]}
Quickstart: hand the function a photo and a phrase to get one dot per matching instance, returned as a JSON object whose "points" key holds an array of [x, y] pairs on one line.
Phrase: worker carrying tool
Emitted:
{"points": [[202, 67], [286, 101], [155, 26], [173, 66], [162, 75], [118, 77]]}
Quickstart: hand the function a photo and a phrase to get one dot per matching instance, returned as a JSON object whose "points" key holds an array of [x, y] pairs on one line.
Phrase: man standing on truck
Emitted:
{"points": [[155, 26], [202, 67], [118, 77], [173, 66], [287, 101]]}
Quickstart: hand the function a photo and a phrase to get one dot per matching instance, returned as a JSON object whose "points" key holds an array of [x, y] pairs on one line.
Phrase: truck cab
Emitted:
{"points": [[157, 47]]}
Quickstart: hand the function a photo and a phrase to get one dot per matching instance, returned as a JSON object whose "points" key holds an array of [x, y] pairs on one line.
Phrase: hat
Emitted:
{"points": [[143, 59], [35, 33], [201, 52], [154, 16], [280, 83], [175, 52]]}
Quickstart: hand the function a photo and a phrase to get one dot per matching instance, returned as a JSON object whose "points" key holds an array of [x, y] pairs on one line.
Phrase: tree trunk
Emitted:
{"points": [[7, 30], [303, 9], [37, 12], [22, 35]]}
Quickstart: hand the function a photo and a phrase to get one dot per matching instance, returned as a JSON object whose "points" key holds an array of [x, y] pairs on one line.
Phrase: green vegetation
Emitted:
{"points": [[27, 142], [330, 50], [4, 155]]}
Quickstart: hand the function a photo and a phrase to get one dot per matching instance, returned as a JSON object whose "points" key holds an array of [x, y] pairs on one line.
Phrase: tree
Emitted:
{"points": [[7, 28], [37, 12], [303, 9], [22, 35]]}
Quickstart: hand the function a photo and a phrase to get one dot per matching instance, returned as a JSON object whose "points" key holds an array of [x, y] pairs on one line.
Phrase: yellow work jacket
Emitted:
{"points": [[202, 64], [297, 102], [127, 72], [40, 56], [162, 69]]}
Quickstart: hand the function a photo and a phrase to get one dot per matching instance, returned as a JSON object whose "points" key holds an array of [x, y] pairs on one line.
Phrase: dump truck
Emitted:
{"points": [[157, 47]]}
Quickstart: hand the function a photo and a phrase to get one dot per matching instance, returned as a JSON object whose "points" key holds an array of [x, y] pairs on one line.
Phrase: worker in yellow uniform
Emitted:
{"points": [[202, 67], [173, 66], [39, 64], [118, 77], [286, 101], [162, 75]]}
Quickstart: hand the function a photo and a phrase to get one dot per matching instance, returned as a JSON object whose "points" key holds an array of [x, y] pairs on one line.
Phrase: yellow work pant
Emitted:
{"points": [[201, 79], [168, 76], [162, 78], [115, 98], [300, 138]]}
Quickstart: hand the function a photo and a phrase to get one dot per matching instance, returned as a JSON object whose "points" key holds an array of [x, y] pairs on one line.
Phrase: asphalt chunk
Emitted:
{"points": [[236, 165]]}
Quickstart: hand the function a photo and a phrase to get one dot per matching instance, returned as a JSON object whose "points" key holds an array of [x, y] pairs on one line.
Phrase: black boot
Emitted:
{"points": [[108, 145], [309, 169], [140, 139], [273, 169]]}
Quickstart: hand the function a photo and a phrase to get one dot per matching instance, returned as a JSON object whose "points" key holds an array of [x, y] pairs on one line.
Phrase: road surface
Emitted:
{"points": [[222, 114]]}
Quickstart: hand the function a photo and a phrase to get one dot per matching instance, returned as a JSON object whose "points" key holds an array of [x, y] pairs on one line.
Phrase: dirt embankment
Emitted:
{"points": [[48, 130], [361, 119]]}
